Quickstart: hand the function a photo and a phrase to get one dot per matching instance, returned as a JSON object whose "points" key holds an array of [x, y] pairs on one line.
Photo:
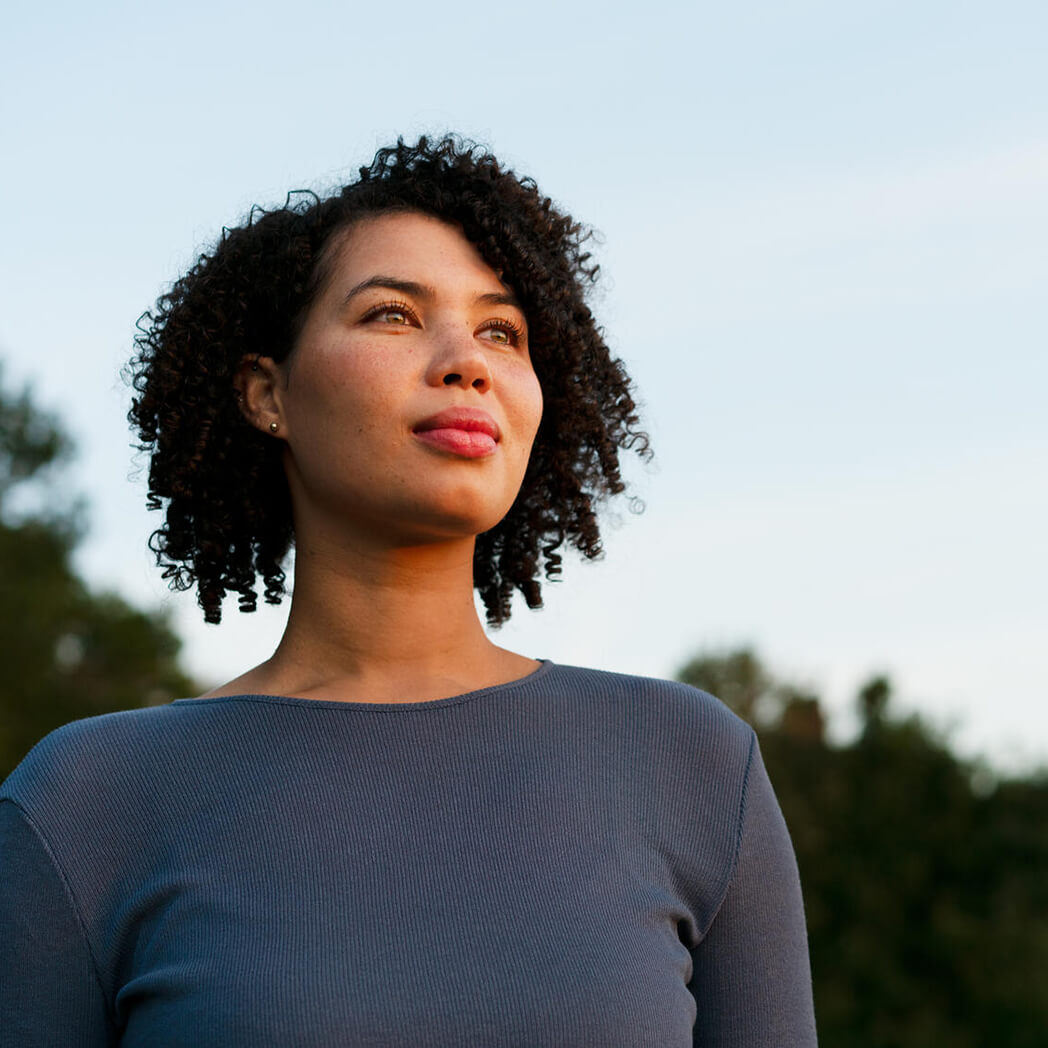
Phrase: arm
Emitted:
{"points": [[751, 977], [49, 989]]}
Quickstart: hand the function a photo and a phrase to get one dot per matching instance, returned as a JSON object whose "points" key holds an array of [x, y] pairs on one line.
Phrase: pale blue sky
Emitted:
{"points": [[825, 236]]}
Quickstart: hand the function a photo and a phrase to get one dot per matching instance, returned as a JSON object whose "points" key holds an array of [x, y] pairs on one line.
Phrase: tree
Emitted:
{"points": [[68, 652], [924, 885]]}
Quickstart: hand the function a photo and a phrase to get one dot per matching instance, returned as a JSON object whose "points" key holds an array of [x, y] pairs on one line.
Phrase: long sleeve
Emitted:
{"points": [[528, 864], [751, 976], [49, 991]]}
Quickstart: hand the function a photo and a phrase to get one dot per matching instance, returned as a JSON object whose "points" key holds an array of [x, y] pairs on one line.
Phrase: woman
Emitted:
{"points": [[393, 831]]}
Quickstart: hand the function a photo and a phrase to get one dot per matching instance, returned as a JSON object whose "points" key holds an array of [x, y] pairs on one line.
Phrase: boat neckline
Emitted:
{"points": [[545, 665]]}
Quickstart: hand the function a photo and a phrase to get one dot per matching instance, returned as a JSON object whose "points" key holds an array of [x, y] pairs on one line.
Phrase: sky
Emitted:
{"points": [[823, 232]]}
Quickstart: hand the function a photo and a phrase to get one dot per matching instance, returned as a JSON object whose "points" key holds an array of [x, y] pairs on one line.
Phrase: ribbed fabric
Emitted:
{"points": [[576, 858]]}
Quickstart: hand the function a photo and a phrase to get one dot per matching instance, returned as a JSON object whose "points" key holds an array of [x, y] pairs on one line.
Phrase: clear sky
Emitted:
{"points": [[824, 232]]}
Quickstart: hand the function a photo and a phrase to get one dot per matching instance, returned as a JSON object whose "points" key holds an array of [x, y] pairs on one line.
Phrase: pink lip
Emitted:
{"points": [[468, 432]]}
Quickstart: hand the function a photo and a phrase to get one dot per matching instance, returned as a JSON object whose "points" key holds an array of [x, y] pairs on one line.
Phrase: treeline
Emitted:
{"points": [[67, 651], [925, 878]]}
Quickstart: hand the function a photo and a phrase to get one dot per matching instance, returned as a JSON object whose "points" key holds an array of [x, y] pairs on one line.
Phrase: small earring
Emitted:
{"points": [[274, 426]]}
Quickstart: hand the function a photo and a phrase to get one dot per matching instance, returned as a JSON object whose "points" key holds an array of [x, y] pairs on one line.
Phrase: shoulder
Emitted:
{"points": [[109, 794], [681, 765], [664, 710], [113, 755], [670, 742]]}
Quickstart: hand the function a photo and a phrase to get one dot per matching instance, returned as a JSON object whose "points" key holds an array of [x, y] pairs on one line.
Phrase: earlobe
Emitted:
{"points": [[256, 384]]}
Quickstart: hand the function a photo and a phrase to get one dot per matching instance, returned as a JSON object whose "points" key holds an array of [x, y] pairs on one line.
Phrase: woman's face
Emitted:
{"points": [[409, 403]]}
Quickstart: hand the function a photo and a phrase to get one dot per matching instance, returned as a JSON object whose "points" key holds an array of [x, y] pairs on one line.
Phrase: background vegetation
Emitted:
{"points": [[66, 651], [924, 875]]}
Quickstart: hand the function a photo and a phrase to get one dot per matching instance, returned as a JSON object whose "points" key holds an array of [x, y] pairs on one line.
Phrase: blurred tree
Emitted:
{"points": [[738, 679], [67, 652], [924, 879]]}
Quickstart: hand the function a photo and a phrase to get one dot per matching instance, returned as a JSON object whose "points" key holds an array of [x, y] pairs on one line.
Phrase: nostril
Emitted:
{"points": [[451, 379], [479, 383]]}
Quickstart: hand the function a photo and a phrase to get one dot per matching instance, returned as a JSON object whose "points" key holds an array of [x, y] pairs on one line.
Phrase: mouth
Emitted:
{"points": [[465, 432]]}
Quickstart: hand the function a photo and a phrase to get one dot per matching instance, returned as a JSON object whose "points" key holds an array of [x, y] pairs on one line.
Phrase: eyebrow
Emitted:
{"points": [[424, 291]]}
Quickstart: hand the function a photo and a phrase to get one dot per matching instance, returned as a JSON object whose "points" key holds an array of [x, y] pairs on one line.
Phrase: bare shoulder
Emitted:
{"points": [[256, 681]]}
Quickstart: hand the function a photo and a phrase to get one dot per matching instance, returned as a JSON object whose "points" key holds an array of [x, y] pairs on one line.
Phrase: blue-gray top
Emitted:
{"points": [[575, 858]]}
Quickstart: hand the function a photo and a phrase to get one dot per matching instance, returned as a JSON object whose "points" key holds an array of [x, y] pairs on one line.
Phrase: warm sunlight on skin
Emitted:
{"points": [[412, 323], [408, 408]]}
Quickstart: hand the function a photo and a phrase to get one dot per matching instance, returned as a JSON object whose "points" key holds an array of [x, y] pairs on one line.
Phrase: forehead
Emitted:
{"points": [[408, 246]]}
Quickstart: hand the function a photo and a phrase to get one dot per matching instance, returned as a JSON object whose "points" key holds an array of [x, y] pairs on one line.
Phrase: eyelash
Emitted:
{"points": [[510, 327], [391, 307], [514, 330]]}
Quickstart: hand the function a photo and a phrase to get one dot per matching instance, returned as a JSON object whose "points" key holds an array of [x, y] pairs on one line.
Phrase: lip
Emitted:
{"points": [[467, 420], [462, 432]]}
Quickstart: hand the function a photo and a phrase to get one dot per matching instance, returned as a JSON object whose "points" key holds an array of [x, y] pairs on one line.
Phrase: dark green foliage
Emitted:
{"points": [[925, 881], [30, 441], [66, 652]]}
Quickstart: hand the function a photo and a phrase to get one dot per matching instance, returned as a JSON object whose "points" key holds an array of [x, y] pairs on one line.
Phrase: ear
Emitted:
{"points": [[259, 382]]}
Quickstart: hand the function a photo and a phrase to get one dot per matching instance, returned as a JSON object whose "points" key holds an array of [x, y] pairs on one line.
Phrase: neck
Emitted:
{"points": [[393, 625]]}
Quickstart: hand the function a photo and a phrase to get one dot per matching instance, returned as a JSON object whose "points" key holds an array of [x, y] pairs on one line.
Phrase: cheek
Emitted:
{"points": [[527, 416], [530, 404], [343, 385]]}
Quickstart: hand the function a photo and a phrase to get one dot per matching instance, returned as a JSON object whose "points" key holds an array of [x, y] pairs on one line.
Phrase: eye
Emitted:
{"points": [[503, 332], [394, 314]]}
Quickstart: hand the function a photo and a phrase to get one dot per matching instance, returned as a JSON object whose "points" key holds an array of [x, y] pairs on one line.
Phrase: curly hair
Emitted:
{"points": [[228, 509]]}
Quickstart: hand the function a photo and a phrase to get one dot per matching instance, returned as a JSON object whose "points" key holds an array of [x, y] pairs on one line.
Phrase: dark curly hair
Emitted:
{"points": [[228, 514]]}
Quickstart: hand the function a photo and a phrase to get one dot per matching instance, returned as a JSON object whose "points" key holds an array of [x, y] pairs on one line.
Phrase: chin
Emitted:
{"points": [[427, 521], [454, 525], [465, 510]]}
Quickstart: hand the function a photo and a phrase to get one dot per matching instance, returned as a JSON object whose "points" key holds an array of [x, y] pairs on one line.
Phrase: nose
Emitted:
{"points": [[459, 361]]}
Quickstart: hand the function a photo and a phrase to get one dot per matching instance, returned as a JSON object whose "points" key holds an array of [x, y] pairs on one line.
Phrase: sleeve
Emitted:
{"points": [[49, 989], [751, 976]]}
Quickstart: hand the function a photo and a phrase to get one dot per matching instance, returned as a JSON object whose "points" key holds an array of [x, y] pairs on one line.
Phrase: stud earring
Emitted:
{"points": [[274, 426]]}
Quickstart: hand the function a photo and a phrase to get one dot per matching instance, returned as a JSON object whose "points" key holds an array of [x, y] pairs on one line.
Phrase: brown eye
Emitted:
{"points": [[391, 314], [502, 333]]}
